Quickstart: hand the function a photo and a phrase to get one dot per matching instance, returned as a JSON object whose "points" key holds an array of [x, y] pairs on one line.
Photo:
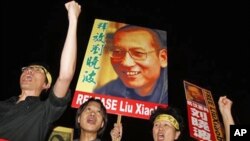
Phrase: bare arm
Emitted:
{"points": [[225, 106], [68, 56]]}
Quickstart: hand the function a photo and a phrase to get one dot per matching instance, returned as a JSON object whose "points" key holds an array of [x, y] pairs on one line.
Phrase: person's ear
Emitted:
{"points": [[163, 57], [78, 119], [177, 134], [46, 86], [102, 124]]}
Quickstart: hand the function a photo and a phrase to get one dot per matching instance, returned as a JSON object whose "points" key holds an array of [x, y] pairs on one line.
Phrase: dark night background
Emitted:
{"points": [[208, 45]]}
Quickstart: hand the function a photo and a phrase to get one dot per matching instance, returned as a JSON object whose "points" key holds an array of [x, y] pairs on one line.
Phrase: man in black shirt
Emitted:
{"points": [[26, 118]]}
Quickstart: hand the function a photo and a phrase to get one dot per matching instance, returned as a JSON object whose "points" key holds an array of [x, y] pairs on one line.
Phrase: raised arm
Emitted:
{"points": [[69, 52], [225, 106]]}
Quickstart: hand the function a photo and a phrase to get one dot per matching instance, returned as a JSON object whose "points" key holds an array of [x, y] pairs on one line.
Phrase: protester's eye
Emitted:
{"points": [[36, 69], [88, 109], [99, 112], [156, 125], [165, 124]]}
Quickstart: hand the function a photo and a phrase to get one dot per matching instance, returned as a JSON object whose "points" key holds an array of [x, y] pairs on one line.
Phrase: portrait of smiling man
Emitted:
{"points": [[139, 57]]}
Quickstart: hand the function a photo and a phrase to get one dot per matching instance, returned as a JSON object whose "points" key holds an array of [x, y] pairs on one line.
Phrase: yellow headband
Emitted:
{"points": [[169, 118], [48, 75]]}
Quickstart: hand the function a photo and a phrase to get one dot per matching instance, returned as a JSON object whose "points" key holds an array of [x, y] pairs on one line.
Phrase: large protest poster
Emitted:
{"points": [[202, 115], [100, 72]]}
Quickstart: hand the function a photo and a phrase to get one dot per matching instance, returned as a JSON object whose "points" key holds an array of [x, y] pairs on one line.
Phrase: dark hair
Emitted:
{"points": [[170, 111], [103, 112]]}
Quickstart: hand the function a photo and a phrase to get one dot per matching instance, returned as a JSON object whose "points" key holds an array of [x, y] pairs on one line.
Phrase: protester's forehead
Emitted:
{"points": [[36, 66], [167, 119], [163, 121], [94, 103]]}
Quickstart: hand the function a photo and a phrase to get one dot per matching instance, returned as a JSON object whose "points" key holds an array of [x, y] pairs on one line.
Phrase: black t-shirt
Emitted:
{"points": [[30, 120]]}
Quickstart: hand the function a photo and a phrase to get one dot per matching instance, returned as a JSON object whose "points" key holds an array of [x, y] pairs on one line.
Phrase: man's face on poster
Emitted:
{"points": [[136, 59], [195, 93]]}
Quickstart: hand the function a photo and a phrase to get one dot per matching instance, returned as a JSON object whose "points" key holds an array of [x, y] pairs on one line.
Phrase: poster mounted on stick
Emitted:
{"points": [[203, 117], [126, 67]]}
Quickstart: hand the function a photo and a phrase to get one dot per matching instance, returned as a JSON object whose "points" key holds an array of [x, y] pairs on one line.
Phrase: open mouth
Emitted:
{"points": [[27, 78], [91, 120], [160, 137]]}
